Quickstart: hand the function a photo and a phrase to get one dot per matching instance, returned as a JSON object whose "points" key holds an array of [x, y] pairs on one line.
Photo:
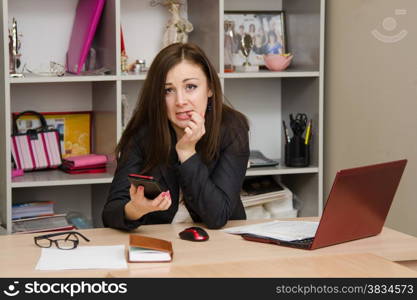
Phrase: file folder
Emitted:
{"points": [[87, 16]]}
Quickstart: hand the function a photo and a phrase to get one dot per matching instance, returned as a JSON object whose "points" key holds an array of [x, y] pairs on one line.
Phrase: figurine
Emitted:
{"points": [[123, 65], [14, 47], [177, 28]]}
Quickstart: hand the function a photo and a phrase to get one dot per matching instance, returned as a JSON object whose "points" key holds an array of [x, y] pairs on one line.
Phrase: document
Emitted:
{"points": [[84, 257], [280, 230], [147, 255]]}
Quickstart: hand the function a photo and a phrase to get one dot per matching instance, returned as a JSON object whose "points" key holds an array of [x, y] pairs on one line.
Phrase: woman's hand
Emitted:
{"points": [[192, 134], [139, 205]]}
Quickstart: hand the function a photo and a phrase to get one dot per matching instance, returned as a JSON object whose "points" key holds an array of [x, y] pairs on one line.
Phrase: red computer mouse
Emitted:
{"points": [[195, 234]]}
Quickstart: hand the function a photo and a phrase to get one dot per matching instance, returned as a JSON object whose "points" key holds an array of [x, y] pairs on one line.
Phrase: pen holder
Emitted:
{"points": [[297, 153]]}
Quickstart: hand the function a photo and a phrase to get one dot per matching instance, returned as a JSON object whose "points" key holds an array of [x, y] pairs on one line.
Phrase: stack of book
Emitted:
{"points": [[264, 198], [32, 209], [37, 216], [90, 163], [41, 224]]}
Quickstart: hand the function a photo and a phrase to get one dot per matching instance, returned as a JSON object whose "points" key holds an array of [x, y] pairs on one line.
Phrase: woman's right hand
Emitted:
{"points": [[139, 205]]}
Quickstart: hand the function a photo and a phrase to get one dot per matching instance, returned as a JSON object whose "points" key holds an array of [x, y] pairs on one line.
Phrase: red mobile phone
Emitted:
{"points": [[152, 187]]}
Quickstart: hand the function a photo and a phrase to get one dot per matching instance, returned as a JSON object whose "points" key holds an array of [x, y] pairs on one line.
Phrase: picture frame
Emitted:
{"points": [[75, 130], [267, 29]]}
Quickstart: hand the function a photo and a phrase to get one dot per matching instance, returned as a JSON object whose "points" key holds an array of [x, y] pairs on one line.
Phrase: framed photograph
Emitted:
{"points": [[74, 129], [266, 28]]}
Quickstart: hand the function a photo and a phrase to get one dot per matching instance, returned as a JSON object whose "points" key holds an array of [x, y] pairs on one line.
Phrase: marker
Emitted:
{"points": [[287, 137], [308, 132]]}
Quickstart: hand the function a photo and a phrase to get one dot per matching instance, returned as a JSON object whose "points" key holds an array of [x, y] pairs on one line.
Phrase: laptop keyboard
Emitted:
{"points": [[305, 243]]}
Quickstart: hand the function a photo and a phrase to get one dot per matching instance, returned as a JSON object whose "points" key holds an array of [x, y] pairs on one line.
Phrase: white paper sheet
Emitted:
{"points": [[281, 230], [144, 254], [84, 257]]}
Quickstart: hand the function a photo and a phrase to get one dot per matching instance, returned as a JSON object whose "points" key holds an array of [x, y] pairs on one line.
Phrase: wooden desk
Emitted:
{"points": [[19, 255], [341, 265]]}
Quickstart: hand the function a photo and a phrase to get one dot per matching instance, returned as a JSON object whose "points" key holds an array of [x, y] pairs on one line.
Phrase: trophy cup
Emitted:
{"points": [[229, 45], [14, 55], [246, 44]]}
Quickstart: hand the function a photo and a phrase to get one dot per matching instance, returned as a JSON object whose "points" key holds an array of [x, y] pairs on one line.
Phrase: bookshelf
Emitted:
{"points": [[265, 97]]}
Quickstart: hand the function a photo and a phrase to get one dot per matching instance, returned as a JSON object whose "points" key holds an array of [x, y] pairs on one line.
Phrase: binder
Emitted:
{"points": [[147, 249], [87, 16]]}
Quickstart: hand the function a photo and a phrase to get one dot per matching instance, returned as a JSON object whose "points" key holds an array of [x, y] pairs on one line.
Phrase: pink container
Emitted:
{"points": [[277, 62]]}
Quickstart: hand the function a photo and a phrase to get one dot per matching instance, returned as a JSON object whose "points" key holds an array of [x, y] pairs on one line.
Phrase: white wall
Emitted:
{"points": [[371, 95]]}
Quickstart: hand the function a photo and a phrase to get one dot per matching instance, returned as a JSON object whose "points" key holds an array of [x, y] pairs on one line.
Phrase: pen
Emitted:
{"points": [[287, 138], [308, 133]]}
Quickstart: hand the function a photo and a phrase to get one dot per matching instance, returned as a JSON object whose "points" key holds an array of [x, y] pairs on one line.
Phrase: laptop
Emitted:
{"points": [[356, 208]]}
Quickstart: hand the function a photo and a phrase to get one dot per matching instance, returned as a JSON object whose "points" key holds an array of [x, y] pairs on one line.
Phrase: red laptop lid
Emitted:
{"points": [[358, 203]]}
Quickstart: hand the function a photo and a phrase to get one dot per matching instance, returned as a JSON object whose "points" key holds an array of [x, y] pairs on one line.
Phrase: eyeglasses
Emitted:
{"points": [[54, 69], [69, 242]]}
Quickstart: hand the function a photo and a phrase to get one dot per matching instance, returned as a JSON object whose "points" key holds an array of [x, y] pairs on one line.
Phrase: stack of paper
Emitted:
{"points": [[83, 257], [260, 190], [144, 254], [280, 230], [284, 196]]}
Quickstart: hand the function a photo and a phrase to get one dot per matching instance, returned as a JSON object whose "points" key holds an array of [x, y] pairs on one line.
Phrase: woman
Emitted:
{"points": [[258, 46], [273, 46], [184, 136]]}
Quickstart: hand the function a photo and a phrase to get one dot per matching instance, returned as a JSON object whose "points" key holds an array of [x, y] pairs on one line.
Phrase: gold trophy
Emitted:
{"points": [[246, 44], [14, 55]]}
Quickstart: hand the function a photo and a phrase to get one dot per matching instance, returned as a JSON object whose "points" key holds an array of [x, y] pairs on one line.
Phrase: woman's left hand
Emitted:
{"points": [[192, 134]]}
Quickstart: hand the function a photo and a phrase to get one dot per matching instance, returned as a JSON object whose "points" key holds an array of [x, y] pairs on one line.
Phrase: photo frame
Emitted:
{"points": [[266, 28], [74, 129]]}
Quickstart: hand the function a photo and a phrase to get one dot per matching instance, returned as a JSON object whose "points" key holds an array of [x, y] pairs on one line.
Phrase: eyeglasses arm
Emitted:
{"points": [[81, 235]]}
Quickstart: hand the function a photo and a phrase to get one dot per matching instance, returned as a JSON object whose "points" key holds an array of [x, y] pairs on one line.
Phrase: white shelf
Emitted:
{"points": [[33, 78], [60, 178], [141, 76], [272, 74], [280, 170]]}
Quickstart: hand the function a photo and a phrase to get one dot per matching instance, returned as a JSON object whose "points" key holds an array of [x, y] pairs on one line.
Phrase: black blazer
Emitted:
{"points": [[211, 192]]}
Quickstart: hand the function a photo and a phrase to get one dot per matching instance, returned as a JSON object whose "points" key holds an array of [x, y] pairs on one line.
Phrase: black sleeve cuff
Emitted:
{"points": [[114, 212]]}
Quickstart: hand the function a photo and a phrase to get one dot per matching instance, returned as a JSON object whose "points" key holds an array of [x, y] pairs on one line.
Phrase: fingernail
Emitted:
{"points": [[140, 187]]}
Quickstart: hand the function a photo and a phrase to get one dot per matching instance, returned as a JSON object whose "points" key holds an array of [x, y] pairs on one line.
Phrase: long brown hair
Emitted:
{"points": [[151, 112]]}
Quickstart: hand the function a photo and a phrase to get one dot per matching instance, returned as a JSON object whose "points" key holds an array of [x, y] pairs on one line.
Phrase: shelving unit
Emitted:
{"points": [[265, 97]]}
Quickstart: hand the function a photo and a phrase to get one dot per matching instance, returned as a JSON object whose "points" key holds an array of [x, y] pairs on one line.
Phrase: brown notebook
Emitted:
{"points": [[147, 249]]}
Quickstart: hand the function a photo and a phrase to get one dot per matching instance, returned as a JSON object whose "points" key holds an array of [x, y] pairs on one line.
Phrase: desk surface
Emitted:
{"points": [[19, 255], [341, 265]]}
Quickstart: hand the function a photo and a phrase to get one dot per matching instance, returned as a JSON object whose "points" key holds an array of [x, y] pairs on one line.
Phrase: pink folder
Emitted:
{"points": [[87, 160], [87, 16]]}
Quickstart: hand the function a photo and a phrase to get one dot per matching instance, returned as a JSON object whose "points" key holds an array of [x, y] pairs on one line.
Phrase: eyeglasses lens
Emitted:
{"points": [[44, 243], [65, 244]]}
